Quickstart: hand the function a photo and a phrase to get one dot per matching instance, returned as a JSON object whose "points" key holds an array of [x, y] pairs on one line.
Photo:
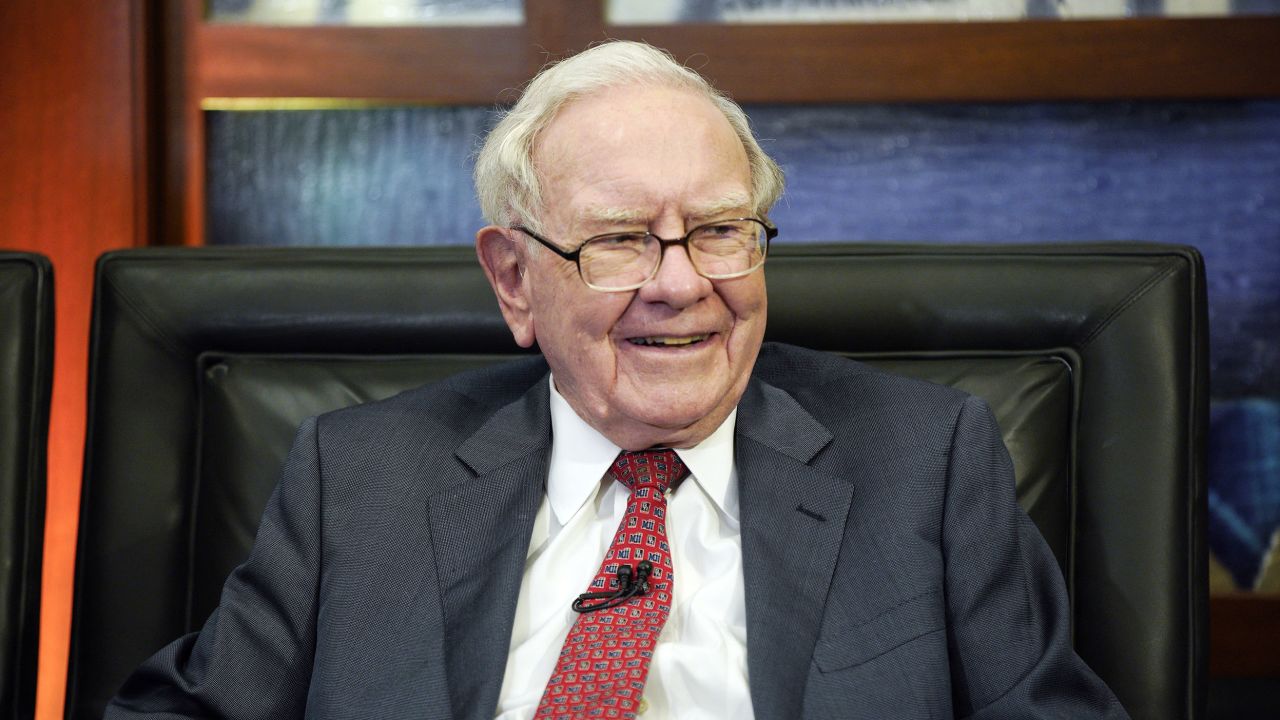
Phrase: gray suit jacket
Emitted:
{"points": [[889, 571]]}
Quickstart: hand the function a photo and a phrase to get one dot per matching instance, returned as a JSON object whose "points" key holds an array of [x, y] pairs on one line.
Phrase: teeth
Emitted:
{"points": [[668, 341]]}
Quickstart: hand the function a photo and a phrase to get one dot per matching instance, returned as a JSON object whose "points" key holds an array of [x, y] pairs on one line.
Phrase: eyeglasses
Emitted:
{"points": [[625, 261]]}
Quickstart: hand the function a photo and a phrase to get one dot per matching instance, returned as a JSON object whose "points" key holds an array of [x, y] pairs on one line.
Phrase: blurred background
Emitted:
{"points": [[129, 123]]}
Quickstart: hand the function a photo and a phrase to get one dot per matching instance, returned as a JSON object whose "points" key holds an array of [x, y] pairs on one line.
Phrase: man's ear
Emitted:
{"points": [[503, 259]]}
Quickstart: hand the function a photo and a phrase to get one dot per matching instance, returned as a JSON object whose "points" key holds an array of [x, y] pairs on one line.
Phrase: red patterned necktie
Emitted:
{"points": [[605, 659]]}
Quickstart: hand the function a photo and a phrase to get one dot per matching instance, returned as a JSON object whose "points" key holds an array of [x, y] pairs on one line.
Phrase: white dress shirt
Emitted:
{"points": [[699, 667]]}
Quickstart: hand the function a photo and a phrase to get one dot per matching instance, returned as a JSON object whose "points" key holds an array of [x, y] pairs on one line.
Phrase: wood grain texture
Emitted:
{"points": [[73, 183], [883, 62], [179, 152], [1244, 639], [1025, 60], [424, 64]]}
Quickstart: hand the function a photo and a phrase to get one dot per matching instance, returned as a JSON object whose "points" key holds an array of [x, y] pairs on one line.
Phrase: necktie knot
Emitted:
{"points": [[661, 469]]}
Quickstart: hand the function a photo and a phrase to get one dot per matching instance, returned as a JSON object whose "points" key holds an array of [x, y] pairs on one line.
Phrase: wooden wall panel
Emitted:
{"points": [[1244, 629], [73, 183], [1032, 60], [1147, 58]]}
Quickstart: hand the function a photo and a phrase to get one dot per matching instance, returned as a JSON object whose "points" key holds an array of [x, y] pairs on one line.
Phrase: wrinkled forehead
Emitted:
{"points": [[641, 145], [607, 113]]}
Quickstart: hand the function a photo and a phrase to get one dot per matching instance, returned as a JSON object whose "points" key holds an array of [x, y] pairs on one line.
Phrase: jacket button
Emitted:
{"points": [[643, 707]]}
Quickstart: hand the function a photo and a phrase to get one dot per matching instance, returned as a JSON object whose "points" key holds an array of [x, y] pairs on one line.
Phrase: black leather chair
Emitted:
{"points": [[26, 374], [1093, 358]]}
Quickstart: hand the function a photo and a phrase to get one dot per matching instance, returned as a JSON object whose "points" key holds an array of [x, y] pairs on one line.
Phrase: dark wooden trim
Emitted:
{"points": [[181, 147], [434, 65], [890, 62], [563, 27], [1244, 635], [144, 110], [1025, 60]]}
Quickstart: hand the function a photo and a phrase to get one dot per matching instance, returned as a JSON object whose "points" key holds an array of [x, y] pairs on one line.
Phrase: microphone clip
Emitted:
{"points": [[630, 584]]}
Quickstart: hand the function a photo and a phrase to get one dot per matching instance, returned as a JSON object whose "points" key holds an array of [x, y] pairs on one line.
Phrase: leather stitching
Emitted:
{"points": [[146, 317], [1128, 301]]}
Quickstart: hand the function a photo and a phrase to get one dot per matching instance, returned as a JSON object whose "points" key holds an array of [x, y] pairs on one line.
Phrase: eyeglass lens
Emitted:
{"points": [[718, 250]]}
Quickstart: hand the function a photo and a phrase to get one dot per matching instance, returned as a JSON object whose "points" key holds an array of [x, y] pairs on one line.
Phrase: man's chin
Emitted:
{"points": [[682, 429]]}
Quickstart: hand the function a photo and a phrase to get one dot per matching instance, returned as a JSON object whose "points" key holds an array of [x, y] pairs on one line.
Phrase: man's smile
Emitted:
{"points": [[669, 340]]}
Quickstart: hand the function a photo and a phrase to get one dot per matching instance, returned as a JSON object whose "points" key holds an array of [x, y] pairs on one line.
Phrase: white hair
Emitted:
{"points": [[505, 178]]}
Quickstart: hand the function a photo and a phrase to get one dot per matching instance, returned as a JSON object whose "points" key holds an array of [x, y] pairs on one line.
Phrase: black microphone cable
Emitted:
{"points": [[629, 586]]}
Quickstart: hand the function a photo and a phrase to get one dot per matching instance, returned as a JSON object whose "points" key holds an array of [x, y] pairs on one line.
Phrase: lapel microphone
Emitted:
{"points": [[631, 583]]}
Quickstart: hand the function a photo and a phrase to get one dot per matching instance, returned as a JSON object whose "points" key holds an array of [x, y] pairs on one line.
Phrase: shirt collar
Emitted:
{"points": [[580, 456]]}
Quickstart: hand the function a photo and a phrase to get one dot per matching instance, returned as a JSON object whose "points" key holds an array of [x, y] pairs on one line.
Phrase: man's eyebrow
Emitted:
{"points": [[734, 202], [602, 215], [606, 215]]}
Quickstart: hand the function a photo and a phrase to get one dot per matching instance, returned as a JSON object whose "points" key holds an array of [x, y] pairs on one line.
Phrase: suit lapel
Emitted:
{"points": [[793, 521], [480, 527]]}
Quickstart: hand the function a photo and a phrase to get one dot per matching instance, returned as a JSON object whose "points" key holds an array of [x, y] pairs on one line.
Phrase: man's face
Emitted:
{"points": [[664, 364]]}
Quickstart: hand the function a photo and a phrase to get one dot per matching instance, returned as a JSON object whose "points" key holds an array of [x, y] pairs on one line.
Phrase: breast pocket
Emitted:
{"points": [[911, 619]]}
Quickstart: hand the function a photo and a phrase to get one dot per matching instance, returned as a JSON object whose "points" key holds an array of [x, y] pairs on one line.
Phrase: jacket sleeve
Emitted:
{"points": [[253, 657], [1008, 620]]}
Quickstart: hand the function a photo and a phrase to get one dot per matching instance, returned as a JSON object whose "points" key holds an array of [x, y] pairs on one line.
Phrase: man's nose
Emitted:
{"points": [[677, 283]]}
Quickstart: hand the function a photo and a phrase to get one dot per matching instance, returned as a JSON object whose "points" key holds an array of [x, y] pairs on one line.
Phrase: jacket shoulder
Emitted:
{"points": [[811, 376], [866, 410]]}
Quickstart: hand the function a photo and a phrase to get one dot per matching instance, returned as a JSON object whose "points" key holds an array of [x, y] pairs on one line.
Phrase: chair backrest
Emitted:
{"points": [[26, 374], [1093, 358]]}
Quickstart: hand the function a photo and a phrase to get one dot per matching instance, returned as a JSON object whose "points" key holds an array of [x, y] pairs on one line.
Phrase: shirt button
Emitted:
{"points": [[643, 707]]}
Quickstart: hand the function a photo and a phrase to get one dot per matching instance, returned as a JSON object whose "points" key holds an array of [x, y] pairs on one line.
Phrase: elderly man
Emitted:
{"points": [[663, 518]]}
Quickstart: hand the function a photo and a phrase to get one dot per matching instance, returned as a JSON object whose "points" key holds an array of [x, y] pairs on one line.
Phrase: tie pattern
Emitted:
{"points": [[603, 665]]}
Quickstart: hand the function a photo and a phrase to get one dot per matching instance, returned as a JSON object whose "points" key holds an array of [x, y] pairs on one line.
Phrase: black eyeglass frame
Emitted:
{"points": [[770, 232]]}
